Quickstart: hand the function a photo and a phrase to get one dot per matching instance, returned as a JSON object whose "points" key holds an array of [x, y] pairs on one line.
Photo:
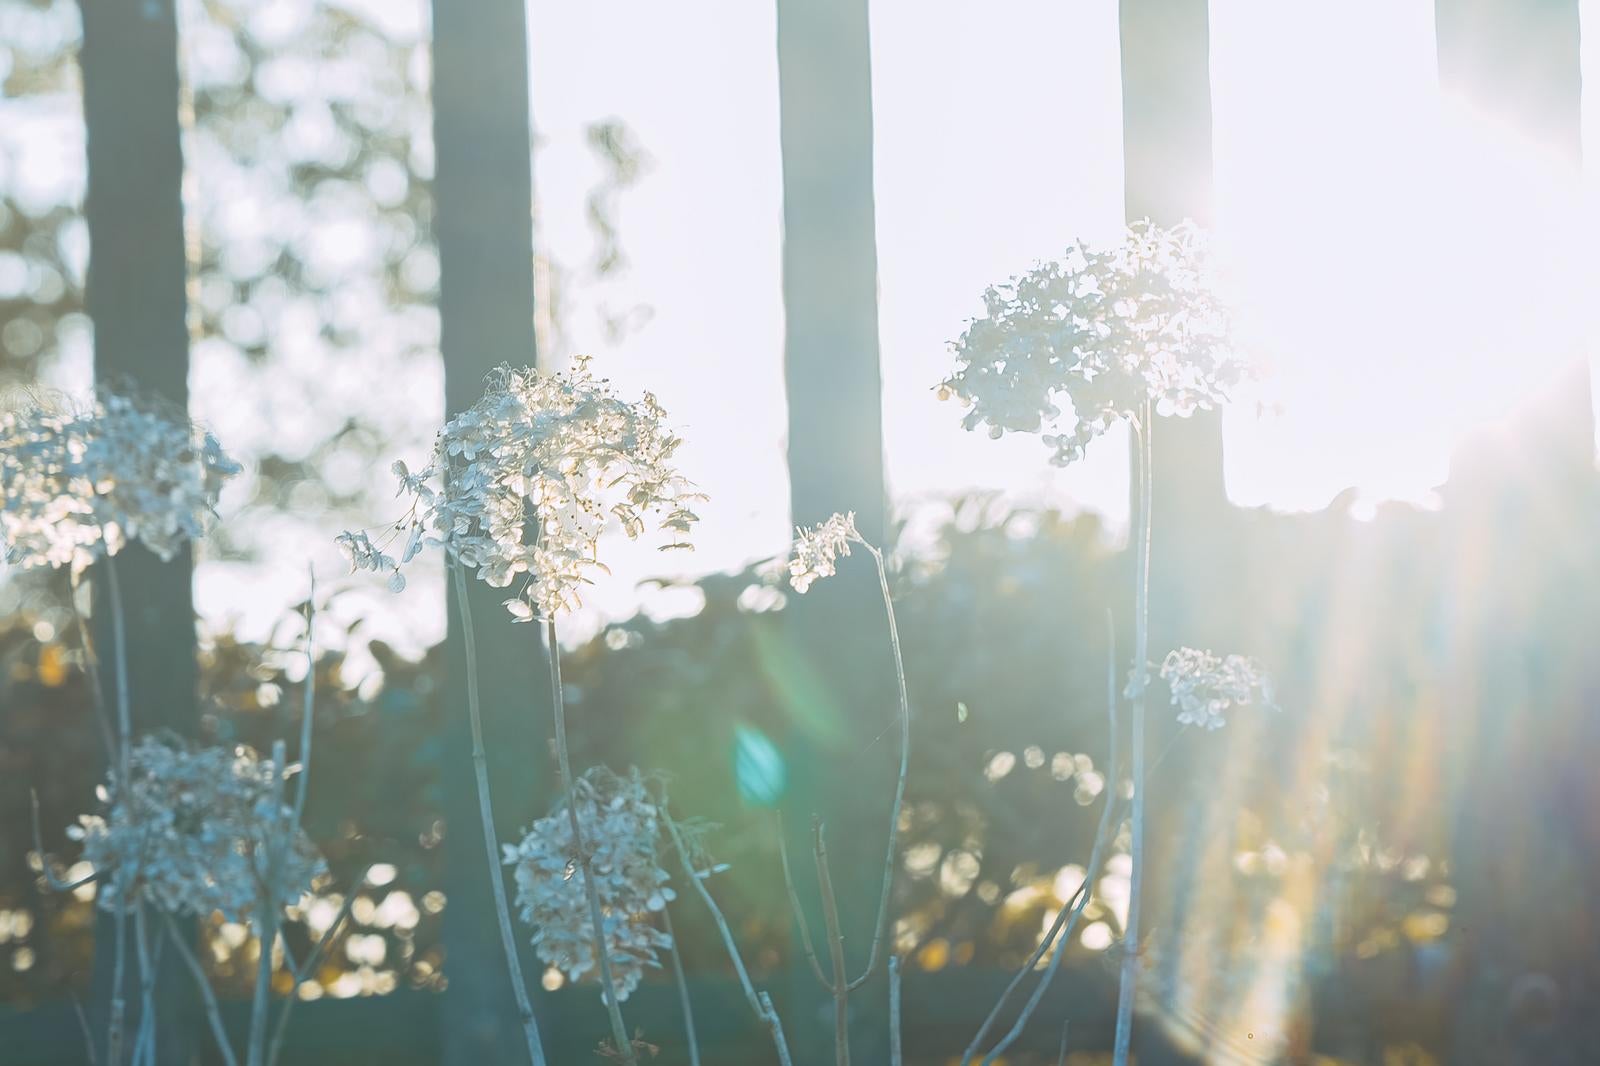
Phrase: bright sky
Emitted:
{"points": [[1365, 215], [1363, 210]]}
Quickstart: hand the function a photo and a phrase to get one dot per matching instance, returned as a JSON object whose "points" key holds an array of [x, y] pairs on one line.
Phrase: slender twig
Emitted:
{"points": [[119, 652], [799, 911], [1101, 836], [155, 969], [881, 927], [608, 995], [896, 1057], [304, 969], [1141, 654], [50, 878], [480, 767], [207, 996], [760, 1003], [88, 1035], [267, 916], [308, 709], [144, 1043], [119, 649], [771, 1014], [830, 918], [1061, 1059], [91, 668], [683, 989]]}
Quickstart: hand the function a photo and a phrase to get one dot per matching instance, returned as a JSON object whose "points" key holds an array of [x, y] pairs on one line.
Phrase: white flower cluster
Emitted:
{"points": [[621, 824], [195, 831], [75, 485], [1205, 687], [1103, 330], [521, 485], [816, 550]]}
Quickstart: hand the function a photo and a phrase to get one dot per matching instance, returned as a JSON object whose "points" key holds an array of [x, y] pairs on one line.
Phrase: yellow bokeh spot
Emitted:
{"points": [[52, 668]]}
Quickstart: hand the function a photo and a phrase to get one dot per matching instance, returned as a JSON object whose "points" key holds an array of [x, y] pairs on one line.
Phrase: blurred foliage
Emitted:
{"points": [[308, 151], [1405, 848], [1301, 848]]}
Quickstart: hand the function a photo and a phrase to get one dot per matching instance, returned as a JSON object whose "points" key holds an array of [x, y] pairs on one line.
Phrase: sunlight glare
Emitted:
{"points": [[1411, 271]]}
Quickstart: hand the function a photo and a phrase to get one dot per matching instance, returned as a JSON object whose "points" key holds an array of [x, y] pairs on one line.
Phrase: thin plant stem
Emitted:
{"points": [[799, 912], [683, 990], [267, 919], [1061, 1059], [119, 651], [776, 1026], [1141, 655], [1085, 890], [88, 1034], [608, 995], [91, 668], [308, 709], [480, 767], [144, 1043], [880, 928], [50, 878], [830, 918], [896, 1057], [760, 1003], [309, 963], [207, 996]]}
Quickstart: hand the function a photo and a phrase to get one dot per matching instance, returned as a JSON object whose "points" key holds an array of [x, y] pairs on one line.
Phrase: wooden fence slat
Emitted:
{"points": [[136, 299]]}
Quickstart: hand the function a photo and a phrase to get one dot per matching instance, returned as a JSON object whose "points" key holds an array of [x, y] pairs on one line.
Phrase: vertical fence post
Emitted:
{"points": [[835, 453], [1167, 178], [136, 300], [483, 207], [1515, 644], [1166, 137]]}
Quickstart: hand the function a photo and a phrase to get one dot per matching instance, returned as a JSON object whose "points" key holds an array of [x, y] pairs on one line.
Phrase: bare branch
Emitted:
{"points": [[312, 960], [1067, 918], [50, 878], [881, 926], [760, 1003], [799, 911], [207, 996], [83, 1026], [683, 990]]}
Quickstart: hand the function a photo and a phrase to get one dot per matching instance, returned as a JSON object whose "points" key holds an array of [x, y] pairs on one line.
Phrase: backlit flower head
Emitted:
{"points": [[1074, 345], [76, 484], [817, 549], [621, 827], [194, 831], [1205, 687], [521, 485]]}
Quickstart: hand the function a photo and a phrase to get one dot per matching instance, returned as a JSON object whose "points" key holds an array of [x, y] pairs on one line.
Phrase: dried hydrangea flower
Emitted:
{"points": [[78, 484], [1205, 687], [1100, 333], [521, 485], [621, 826], [194, 830], [816, 550]]}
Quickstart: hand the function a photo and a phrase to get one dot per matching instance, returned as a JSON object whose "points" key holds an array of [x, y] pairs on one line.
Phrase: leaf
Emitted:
{"points": [[413, 545]]}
